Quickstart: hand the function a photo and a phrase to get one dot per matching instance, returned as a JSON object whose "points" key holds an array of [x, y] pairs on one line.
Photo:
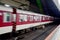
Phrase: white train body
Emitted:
{"points": [[23, 19]]}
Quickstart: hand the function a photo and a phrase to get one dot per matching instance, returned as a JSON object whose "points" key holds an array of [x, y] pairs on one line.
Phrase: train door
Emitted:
{"points": [[7, 22]]}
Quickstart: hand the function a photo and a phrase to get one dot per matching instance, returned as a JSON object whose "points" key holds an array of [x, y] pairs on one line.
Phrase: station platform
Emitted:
{"points": [[54, 35]]}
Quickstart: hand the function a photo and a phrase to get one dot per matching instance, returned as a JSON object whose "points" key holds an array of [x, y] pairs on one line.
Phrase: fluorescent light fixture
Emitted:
{"points": [[7, 5], [59, 2], [58, 5]]}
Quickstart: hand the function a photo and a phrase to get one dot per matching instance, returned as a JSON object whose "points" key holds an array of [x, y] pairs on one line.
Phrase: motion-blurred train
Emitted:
{"points": [[22, 19]]}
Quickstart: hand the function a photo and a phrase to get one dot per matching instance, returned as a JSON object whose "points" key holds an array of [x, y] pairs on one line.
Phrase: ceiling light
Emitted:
{"points": [[7, 5], [59, 2]]}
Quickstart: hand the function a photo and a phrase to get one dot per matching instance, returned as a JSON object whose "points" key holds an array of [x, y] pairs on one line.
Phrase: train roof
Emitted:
{"points": [[29, 12], [6, 8], [20, 11]]}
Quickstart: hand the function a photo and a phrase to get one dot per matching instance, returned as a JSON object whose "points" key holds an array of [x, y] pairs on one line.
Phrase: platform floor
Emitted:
{"points": [[55, 35]]}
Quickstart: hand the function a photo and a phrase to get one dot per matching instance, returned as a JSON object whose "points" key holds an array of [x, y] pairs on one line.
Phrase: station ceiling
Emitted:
{"points": [[51, 7], [24, 4]]}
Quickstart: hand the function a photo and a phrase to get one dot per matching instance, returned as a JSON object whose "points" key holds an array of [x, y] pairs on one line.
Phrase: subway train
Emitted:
{"points": [[15, 19]]}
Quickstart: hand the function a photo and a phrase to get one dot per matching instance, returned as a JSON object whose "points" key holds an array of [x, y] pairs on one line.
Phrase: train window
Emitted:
{"points": [[22, 18], [43, 18], [31, 18], [7, 17], [36, 18], [46, 18]]}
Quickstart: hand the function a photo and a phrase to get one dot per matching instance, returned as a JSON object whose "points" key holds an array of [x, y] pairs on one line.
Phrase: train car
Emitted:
{"points": [[22, 19], [5, 19], [27, 19]]}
